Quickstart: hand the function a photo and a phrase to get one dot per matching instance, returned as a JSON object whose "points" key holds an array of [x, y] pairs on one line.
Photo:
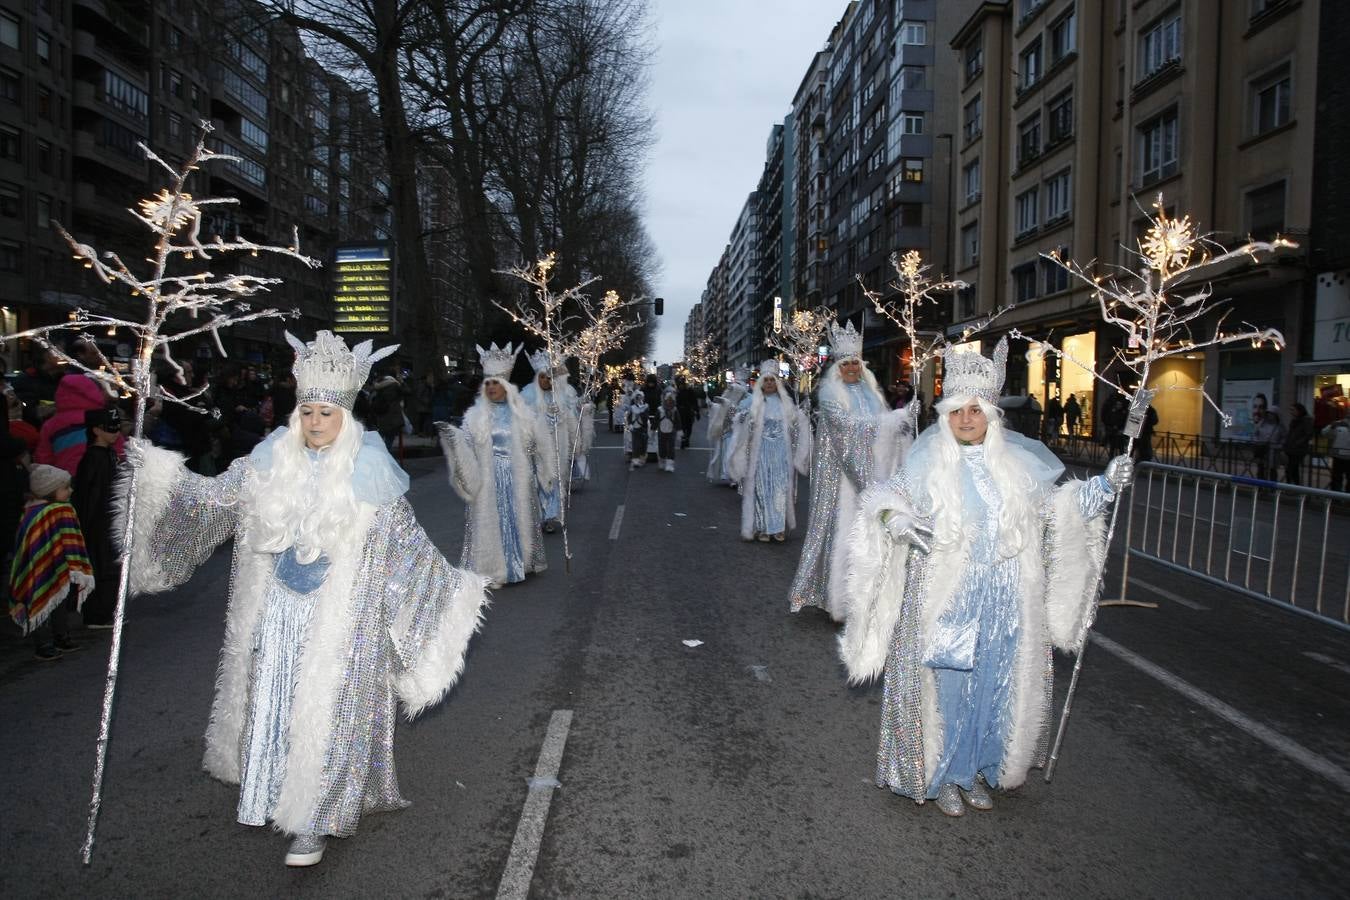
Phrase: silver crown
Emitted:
{"points": [[540, 362], [497, 361], [970, 374], [327, 372], [846, 342], [769, 367]]}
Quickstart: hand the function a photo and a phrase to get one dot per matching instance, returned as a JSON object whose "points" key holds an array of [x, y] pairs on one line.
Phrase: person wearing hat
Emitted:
{"points": [[771, 444], [93, 488], [50, 563], [340, 610], [555, 404], [963, 569]]}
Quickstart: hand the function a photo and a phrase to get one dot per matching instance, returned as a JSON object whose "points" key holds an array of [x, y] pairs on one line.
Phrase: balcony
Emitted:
{"points": [[128, 23], [90, 146]]}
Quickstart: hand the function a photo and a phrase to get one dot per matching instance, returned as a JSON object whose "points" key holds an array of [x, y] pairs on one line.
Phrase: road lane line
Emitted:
{"points": [[1327, 661], [1314, 762], [1168, 595], [618, 522], [515, 883]]}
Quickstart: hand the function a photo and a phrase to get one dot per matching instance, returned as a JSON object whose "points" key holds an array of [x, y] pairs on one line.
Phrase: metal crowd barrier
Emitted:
{"points": [[1283, 544]]}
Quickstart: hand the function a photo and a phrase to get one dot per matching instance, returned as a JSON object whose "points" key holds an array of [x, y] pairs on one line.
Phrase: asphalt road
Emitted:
{"points": [[1207, 754]]}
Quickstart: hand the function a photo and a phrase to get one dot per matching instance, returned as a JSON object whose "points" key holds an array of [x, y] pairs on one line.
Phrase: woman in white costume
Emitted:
{"points": [[499, 461], [964, 568], [551, 403], [771, 444], [721, 417], [340, 607], [859, 442]]}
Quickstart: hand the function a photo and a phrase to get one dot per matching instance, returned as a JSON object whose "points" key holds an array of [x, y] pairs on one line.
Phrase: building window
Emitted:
{"points": [[43, 48], [1160, 44], [1056, 277], [1157, 148], [9, 30], [1028, 7], [253, 133], [1024, 282], [1027, 211], [1032, 67], [1060, 114], [1029, 139], [319, 178], [913, 78], [911, 215], [1058, 196], [1063, 37], [11, 143], [11, 86], [43, 207], [970, 180], [44, 157], [1271, 100], [44, 102], [1260, 7], [123, 140], [171, 80], [965, 302], [914, 33], [912, 122], [974, 61], [11, 200], [124, 96], [175, 126], [912, 170], [316, 206], [1265, 211], [970, 244], [11, 257], [972, 126]]}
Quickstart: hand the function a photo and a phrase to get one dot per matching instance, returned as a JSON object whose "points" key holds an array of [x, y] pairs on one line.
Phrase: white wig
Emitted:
{"points": [[833, 377], [291, 511], [482, 406], [1018, 521]]}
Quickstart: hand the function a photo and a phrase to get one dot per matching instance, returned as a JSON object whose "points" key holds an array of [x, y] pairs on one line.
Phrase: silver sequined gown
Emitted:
{"points": [[771, 486], [841, 465], [970, 652], [316, 657]]}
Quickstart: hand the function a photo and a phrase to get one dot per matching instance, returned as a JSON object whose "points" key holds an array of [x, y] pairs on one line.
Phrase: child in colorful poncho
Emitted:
{"points": [[50, 562]]}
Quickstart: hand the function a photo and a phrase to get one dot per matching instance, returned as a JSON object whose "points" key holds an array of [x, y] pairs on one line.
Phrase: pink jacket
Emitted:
{"points": [[62, 438]]}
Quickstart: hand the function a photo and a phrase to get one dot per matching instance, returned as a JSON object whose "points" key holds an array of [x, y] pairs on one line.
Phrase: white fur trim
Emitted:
{"points": [[1077, 553], [875, 583], [442, 660], [155, 479]]}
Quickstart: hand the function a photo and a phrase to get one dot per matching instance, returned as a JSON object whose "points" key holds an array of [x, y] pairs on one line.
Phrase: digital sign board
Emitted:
{"points": [[363, 288]]}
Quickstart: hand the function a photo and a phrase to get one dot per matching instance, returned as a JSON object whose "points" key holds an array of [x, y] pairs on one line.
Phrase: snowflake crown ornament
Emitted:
{"points": [[327, 372], [769, 367], [846, 342], [967, 374], [497, 361]]}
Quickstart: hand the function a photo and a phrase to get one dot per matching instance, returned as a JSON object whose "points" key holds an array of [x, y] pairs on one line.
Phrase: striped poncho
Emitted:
{"points": [[49, 557]]}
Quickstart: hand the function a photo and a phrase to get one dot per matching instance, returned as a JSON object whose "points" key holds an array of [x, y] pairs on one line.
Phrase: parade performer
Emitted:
{"points": [[859, 442], [498, 462], [771, 443], [721, 417], [964, 568], [550, 402], [340, 606], [635, 427]]}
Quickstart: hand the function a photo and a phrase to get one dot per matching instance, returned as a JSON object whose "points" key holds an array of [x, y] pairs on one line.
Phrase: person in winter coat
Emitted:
{"points": [[1297, 441], [668, 428], [386, 406], [636, 422], [93, 502], [51, 568], [61, 441]]}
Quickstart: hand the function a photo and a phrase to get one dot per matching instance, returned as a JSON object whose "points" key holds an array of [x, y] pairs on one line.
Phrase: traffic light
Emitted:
{"points": [[658, 306]]}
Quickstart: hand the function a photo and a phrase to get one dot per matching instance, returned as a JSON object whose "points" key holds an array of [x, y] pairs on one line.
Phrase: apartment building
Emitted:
{"points": [[1075, 117], [744, 333], [86, 81], [694, 327]]}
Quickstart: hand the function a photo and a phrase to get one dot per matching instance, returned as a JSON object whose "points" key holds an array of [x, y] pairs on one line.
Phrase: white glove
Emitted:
{"points": [[905, 529], [1119, 473]]}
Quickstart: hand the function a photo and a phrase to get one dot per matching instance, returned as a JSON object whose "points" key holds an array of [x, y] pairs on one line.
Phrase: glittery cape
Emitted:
{"points": [[852, 452], [744, 460], [391, 623], [897, 595], [468, 454]]}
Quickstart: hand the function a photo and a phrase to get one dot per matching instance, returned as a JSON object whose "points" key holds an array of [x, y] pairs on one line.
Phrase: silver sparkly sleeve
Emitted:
{"points": [[851, 438], [433, 610], [180, 518], [1094, 496]]}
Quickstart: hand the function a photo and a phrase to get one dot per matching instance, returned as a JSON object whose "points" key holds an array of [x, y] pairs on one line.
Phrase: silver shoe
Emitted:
{"points": [[306, 850], [949, 801], [978, 796]]}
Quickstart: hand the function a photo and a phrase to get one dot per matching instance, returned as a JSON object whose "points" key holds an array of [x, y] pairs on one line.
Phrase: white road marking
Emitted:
{"points": [[1313, 762], [618, 521], [1328, 661], [524, 854], [1168, 595]]}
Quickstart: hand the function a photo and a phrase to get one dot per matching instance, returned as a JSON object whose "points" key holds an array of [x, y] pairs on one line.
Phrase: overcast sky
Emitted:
{"points": [[725, 72]]}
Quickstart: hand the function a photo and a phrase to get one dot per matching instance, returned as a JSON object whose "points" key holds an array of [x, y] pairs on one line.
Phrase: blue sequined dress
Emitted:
{"points": [[772, 472], [503, 477]]}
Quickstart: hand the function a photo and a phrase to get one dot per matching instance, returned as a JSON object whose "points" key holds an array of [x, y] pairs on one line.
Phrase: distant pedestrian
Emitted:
{"points": [[93, 502], [635, 424], [686, 401], [1073, 413], [1054, 416], [668, 428], [61, 439], [1338, 448], [1115, 413], [1297, 442], [386, 406], [51, 566], [1143, 443]]}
